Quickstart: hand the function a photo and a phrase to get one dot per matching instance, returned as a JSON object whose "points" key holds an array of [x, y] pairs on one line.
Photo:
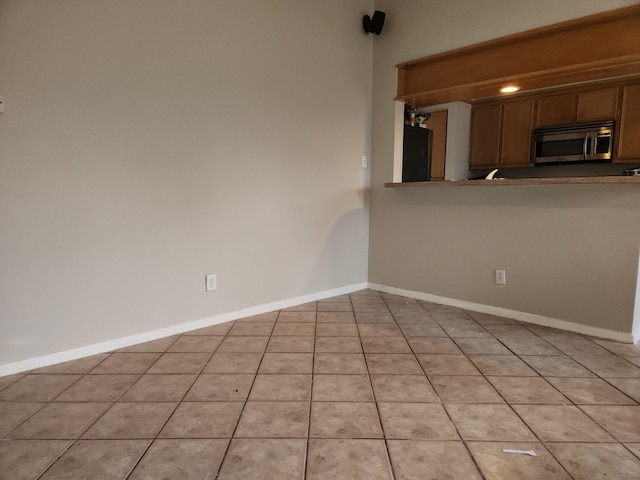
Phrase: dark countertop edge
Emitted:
{"points": [[519, 181]]}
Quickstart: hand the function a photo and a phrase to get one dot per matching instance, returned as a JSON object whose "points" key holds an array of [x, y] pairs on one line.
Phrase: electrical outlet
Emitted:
{"points": [[501, 277], [364, 161], [211, 282]]}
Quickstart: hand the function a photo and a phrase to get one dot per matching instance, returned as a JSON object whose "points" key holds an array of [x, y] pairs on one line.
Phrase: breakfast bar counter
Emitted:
{"points": [[519, 181]]}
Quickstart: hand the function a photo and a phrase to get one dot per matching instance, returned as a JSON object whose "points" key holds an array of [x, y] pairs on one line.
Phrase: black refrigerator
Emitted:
{"points": [[416, 154]]}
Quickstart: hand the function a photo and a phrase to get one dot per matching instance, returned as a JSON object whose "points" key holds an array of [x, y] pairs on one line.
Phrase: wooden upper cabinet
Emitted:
{"points": [[556, 110], [501, 135], [585, 106], [438, 124], [629, 131], [600, 104], [485, 135], [517, 125]]}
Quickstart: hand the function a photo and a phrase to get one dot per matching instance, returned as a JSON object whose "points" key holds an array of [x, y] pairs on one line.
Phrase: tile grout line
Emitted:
{"points": [[375, 400], [72, 441], [305, 463], [117, 400], [594, 373], [244, 403], [178, 403], [441, 403], [50, 401], [540, 441], [464, 441], [597, 376], [114, 402]]}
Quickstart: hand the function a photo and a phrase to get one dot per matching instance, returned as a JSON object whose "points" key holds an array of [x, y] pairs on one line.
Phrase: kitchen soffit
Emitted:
{"points": [[587, 49]]}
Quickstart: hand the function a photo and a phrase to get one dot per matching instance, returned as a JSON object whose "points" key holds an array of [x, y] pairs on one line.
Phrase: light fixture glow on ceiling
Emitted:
{"points": [[509, 89]]}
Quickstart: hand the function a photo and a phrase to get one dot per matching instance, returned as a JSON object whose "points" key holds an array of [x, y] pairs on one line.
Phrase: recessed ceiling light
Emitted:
{"points": [[509, 89]]}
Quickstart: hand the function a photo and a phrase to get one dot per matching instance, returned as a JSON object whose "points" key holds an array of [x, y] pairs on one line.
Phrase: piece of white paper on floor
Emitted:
{"points": [[520, 452]]}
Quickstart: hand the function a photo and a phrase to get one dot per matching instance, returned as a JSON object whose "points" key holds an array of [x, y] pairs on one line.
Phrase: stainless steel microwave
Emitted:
{"points": [[573, 143]]}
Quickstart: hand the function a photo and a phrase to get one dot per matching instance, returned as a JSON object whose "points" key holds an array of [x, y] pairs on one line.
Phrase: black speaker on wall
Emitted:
{"points": [[374, 24]]}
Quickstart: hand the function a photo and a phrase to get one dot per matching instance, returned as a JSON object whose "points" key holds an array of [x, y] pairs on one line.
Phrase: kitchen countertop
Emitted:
{"points": [[519, 181]]}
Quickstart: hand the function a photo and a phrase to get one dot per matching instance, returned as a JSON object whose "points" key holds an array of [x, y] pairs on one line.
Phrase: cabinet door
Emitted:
{"points": [[556, 110], [438, 124], [517, 124], [597, 104], [485, 136], [629, 132]]}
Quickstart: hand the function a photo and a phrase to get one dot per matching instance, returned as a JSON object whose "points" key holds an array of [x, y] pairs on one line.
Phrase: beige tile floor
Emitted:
{"points": [[363, 386]]}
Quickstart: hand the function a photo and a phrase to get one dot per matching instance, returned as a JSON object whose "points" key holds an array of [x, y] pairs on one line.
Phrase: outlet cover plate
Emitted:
{"points": [[211, 282]]}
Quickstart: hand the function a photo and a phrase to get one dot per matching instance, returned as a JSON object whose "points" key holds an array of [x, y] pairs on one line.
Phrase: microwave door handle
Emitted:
{"points": [[585, 146], [594, 145]]}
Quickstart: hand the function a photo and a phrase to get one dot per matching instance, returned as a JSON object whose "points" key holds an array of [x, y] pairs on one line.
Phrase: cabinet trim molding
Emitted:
{"points": [[478, 71]]}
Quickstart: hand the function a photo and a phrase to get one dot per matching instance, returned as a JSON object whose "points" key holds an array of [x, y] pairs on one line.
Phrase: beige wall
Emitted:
{"points": [[570, 252], [146, 143]]}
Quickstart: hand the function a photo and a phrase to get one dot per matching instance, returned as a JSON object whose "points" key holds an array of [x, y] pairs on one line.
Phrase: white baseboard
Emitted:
{"points": [[96, 348], [76, 353], [516, 315]]}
